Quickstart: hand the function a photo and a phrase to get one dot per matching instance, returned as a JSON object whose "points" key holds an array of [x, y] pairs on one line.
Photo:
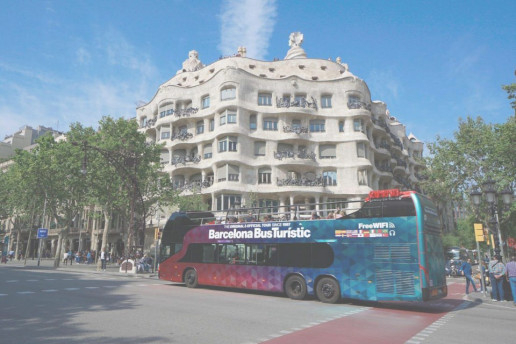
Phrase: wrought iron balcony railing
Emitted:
{"points": [[285, 102], [296, 130], [303, 154], [176, 160]]}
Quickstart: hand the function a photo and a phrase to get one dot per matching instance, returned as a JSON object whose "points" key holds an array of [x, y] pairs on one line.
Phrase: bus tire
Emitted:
{"points": [[295, 287], [327, 290], [191, 278]]}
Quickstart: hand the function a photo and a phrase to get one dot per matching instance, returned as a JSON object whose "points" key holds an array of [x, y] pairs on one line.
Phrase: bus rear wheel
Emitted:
{"points": [[327, 290], [191, 278], [295, 287]]}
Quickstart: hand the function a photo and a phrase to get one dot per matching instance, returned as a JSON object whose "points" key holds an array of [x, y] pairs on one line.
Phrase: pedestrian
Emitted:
{"points": [[70, 257], [103, 259], [511, 277], [65, 258], [496, 274], [466, 269], [88, 257]]}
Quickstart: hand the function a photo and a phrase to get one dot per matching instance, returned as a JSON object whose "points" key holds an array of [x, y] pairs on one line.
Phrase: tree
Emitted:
{"points": [[477, 152], [124, 173]]}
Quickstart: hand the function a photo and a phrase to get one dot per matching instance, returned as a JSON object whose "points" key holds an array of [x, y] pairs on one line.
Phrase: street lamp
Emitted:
{"points": [[489, 191]]}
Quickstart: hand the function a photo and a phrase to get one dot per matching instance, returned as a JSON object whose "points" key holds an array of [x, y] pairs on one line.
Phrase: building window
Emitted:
{"points": [[228, 172], [233, 173], [358, 125], [341, 126], [327, 152], [222, 119], [317, 126], [361, 150], [362, 177], [165, 135], [296, 124], [164, 157], [270, 124], [252, 122], [207, 151], [326, 101], [265, 99], [330, 178], [228, 93], [205, 102], [231, 117], [228, 143], [259, 148], [225, 202], [178, 181], [200, 127], [212, 124], [354, 102], [264, 175]]}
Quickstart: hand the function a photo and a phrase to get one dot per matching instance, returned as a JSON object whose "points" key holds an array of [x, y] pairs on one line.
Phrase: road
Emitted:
{"points": [[59, 306]]}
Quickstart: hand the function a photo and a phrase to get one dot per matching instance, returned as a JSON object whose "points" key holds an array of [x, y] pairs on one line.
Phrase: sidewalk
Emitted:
{"points": [[480, 297], [48, 264]]}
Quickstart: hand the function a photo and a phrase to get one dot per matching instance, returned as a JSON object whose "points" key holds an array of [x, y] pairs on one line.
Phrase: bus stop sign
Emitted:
{"points": [[42, 233]]}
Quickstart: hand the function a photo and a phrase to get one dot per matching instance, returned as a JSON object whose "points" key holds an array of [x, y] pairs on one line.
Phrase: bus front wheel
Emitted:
{"points": [[191, 278], [295, 287], [327, 290]]}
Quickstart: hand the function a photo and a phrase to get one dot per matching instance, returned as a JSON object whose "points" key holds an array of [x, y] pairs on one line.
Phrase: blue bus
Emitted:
{"points": [[389, 249]]}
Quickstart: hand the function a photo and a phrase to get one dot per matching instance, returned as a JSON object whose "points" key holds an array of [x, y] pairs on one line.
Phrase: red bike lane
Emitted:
{"points": [[385, 323]]}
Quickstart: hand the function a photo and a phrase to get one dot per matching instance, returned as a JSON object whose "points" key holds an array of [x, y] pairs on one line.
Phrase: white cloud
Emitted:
{"points": [[248, 23]]}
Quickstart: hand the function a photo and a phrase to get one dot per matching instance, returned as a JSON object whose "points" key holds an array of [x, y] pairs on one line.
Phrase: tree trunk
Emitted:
{"points": [[57, 258], [18, 235], [103, 246]]}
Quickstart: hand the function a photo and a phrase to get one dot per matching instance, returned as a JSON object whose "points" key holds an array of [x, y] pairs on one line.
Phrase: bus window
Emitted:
{"points": [[369, 209], [235, 253], [209, 253], [322, 255], [255, 254], [397, 208], [271, 255]]}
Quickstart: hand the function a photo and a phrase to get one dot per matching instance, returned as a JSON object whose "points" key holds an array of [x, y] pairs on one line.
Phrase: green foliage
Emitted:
{"points": [[477, 152], [192, 202]]}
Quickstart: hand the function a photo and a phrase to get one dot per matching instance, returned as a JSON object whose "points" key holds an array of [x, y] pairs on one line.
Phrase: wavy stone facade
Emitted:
{"points": [[285, 132]]}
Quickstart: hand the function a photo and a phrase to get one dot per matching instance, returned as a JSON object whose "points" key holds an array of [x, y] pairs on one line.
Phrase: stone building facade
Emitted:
{"points": [[276, 133]]}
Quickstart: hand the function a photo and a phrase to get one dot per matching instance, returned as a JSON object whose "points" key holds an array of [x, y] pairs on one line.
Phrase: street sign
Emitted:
{"points": [[42, 233]]}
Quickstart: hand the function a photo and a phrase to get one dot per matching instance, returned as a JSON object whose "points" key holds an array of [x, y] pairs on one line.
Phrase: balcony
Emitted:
{"points": [[384, 168], [358, 105], [176, 160], [303, 154], [317, 181], [298, 102], [296, 130], [183, 135], [148, 124], [194, 185]]}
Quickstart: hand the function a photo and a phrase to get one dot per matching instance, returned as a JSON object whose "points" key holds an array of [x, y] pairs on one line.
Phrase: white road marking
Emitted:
{"points": [[49, 290], [25, 292]]}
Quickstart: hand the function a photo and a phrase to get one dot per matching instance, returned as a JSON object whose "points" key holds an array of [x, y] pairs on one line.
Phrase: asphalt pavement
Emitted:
{"points": [[48, 263]]}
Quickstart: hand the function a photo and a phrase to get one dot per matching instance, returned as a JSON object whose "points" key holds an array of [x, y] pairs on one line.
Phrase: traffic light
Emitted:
{"points": [[157, 233], [479, 232]]}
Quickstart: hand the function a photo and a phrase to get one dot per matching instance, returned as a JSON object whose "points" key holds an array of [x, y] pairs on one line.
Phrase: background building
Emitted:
{"points": [[284, 132]]}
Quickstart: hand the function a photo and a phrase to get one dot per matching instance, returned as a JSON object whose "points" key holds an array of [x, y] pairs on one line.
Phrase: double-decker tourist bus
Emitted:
{"points": [[389, 249]]}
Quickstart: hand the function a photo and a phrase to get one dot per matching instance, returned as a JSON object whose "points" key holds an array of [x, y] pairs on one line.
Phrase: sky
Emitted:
{"points": [[431, 62]]}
